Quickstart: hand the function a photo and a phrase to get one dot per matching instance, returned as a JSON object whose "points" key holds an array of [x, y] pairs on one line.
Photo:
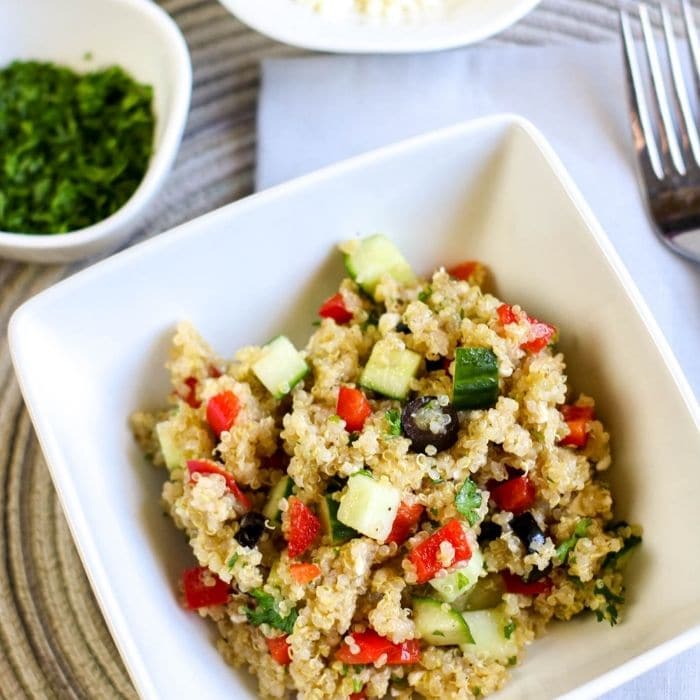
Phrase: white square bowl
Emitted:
{"points": [[90, 350], [88, 35]]}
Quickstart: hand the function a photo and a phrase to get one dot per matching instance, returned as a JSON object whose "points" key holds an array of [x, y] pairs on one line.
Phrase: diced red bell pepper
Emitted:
{"points": [[303, 527], [222, 411], [191, 396], [541, 333], [203, 466], [515, 495], [506, 315], [426, 556], [353, 407], [362, 695], [202, 588], [406, 519], [514, 584], [577, 418], [304, 573], [464, 270], [279, 649], [334, 307], [371, 646]]}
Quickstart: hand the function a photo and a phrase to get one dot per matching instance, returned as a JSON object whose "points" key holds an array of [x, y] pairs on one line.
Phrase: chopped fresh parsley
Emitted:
{"points": [[357, 685], [372, 319], [567, 545], [393, 420], [468, 501], [477, 692], [364, 472], [316, 323], [232, 561], [424, 294], [73, 148], [509, 629], [344, 670], [512, 660], [616, 559], [267, 612], [609, 612]]}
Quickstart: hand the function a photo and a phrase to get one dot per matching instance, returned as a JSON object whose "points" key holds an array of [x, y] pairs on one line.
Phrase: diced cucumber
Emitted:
{"points": [[282, 489], [439, 623], [488, 628], [475, 383], [369, 506], [458, 582], [172, 454], [389, 370], [336, 531], [487, 593], [281, 367], [373, 257]]}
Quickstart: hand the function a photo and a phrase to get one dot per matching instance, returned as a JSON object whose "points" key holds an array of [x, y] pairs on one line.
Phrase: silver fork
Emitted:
{"points": [[669, 169]]}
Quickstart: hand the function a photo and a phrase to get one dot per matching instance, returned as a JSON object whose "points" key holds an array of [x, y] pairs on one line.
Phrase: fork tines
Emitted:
{"points": [[672, 156]]}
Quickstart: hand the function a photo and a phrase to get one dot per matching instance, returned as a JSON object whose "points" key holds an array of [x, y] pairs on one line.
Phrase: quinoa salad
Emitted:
{"points": [[402, 506]]}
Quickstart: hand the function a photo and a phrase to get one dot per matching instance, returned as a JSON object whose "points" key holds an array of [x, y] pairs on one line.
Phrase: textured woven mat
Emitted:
{"points": [[53, 641]]}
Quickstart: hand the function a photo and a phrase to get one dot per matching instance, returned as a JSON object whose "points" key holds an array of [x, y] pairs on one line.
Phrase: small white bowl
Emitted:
{"points": [[462, 22], [491, 190], [86, 35]]}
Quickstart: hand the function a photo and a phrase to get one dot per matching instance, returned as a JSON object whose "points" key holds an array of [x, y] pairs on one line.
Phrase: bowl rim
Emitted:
{"points": [[161, 160], [79, 527], [247, 13]]}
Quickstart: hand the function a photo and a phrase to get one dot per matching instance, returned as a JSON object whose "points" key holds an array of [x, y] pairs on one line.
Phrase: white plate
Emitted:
{"points": [[468, 21], [90, 350], [87, 35]]}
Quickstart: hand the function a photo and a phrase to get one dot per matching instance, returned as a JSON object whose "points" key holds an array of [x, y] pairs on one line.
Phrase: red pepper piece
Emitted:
{"points": [[303, 528], [304, 573], [514, 584], [370, 646], [406, 519], [222, 411], [353, 407], [198, 594], [506, 314], [514, 495], [577, 418], [203, 466], [426, 556], [191, 396], [362, 695], [407, 652], [464, 270], [541, 333], [279, 649], [334, 307]]}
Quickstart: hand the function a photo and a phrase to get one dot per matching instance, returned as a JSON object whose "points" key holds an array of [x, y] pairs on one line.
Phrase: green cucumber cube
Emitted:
{"points": [[389, 370], [282, 489], [337, 532], [373, 257], [459, 581], [488, 630], [369, 506], [281, 367], [438, 623], [172, 454]]}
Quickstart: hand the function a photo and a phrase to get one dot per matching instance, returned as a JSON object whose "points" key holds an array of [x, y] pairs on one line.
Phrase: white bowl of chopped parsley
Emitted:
{"points": [[93, 102]]}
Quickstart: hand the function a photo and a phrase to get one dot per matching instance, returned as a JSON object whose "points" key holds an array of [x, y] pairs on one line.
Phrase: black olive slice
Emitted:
{"points": [[251, 529], [526, 528], [489, 531], [427, 422]]}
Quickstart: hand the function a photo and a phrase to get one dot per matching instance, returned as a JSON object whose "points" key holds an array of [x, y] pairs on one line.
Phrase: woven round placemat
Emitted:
{"points": [[53, 641]]}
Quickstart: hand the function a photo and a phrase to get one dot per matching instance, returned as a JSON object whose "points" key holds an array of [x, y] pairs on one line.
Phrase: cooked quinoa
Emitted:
{"points": [[401, 507], [384, 9]]}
